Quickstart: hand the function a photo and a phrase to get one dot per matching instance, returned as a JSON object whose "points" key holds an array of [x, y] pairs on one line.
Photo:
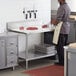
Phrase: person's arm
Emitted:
{"points": [[60, 15]]}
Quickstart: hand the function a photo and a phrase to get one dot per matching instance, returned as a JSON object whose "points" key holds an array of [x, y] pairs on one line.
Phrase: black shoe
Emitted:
{"points": [[60, 64]]}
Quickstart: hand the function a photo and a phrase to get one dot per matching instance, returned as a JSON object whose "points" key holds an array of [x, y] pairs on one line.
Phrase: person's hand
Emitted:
{"points": [[54, 21]]}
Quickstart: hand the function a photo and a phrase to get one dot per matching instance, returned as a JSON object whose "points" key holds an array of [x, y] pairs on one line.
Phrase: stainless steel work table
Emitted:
{"points": [[70, 61], [30, 55]]}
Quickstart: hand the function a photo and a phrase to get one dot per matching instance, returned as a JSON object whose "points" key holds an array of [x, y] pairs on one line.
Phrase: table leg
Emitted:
{"points": [[26, 52], [26, 64], [65, 63]]}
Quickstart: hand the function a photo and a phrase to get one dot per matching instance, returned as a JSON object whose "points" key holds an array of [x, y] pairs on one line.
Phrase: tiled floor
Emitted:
{"points": [[21, 68]]}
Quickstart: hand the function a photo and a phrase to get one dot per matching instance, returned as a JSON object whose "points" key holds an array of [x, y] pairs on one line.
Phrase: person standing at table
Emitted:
{"points": [[63, 14]]}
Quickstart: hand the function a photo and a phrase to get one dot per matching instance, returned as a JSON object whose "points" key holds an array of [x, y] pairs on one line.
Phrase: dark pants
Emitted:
{"points": [[60, 47]]}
